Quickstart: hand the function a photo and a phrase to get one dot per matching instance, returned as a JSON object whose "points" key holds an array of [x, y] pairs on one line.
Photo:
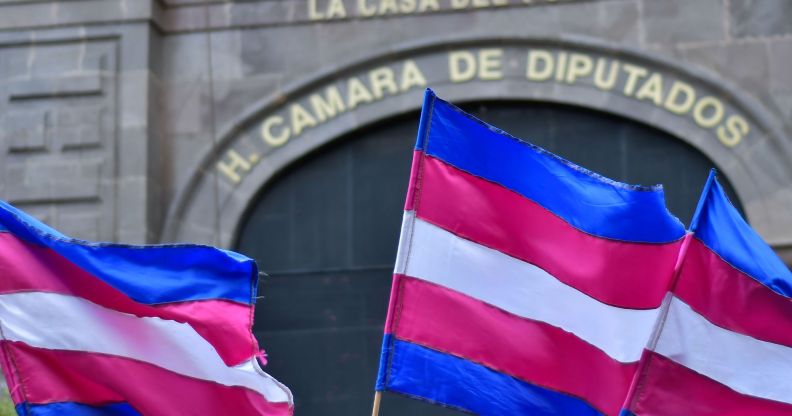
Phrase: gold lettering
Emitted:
{"points": [[428, 4], [461, 66], [271, 138], [633, 73], [407, 6], [328, 106], [672, 102], [652, 89], [714, 118], [229, 169], [300, 118], [388, 6], [490, 64], [736, 128], [365, 10], [411, 76], [382, 79], [561, 67], [485, 3], [459, 4], [580, 65], [335, 9], [313, 12], [599, 81], [486, 64], [357, 93], [533, 71]]}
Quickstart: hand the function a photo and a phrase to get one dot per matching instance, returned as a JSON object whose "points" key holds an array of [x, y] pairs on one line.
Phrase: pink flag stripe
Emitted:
{"points": [[510, 223], [27, 267], [731, 299], [395, 284], [91, 378], [449, 321], [668, 388]]}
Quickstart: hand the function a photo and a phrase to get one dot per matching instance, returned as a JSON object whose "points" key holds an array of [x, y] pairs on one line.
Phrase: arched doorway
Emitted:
{"points": [[326, 231]]}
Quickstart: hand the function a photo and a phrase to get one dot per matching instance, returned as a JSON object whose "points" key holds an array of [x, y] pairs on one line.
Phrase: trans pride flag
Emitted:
{"points": [[524, 284], [108, 329], [724, 345]]}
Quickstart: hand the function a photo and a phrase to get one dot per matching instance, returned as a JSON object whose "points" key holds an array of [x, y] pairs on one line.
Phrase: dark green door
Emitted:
{"points": [[326, 232]]}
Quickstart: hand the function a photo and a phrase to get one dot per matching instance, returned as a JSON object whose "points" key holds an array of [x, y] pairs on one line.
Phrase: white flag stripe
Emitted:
{"points": [[745, 364], [521, 288], [62, 322]]}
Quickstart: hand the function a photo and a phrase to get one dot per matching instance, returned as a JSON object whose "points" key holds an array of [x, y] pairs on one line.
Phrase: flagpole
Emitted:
{"points": [[405, 242], [377, 398], [664, 307]]}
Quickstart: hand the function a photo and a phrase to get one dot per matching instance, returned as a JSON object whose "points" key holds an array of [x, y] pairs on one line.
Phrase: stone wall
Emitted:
{"points": [[113, 112]]}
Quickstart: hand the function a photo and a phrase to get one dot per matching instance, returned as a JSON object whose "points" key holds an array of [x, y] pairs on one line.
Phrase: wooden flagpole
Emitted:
{"points": [[377, 398]]}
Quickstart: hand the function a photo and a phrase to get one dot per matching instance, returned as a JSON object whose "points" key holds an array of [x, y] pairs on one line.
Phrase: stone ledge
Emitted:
{"points": [[56, 87], [15, 15]]}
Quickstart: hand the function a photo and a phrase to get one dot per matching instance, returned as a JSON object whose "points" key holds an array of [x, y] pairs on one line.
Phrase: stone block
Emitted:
{"points": [[233, 98], [133, 148], [92, 10], [294, 50], [186, 57], [26, 131], [682, 21], [780, 52], [56, 60], [135, 92], [262, 13], [185, 108], [42, 212], [226, 56], [133, 48], [614, 21], [20, 14], [48, 180], [746, 64], [14, 63], [84, 225], [186, 151], [184, 19], [77, 128], [756, 18], [25, 14]]}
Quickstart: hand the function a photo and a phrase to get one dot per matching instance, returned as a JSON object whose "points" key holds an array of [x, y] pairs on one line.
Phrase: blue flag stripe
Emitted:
{"points": [[721, 228], [148, 274], [588, 201], [442, 378], [75, 409]]}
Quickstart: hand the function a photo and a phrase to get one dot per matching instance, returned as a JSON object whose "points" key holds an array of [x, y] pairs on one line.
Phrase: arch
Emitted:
{"points": [[325, 232], [758, 168]]}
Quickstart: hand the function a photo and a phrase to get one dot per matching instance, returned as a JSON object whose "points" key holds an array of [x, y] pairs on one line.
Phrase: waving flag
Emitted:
{"points": [[524, 284], [725, 346], [108, 329]]}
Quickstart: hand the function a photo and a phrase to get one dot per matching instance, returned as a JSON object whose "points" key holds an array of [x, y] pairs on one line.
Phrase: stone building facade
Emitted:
{"points": [[149, 121]]}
